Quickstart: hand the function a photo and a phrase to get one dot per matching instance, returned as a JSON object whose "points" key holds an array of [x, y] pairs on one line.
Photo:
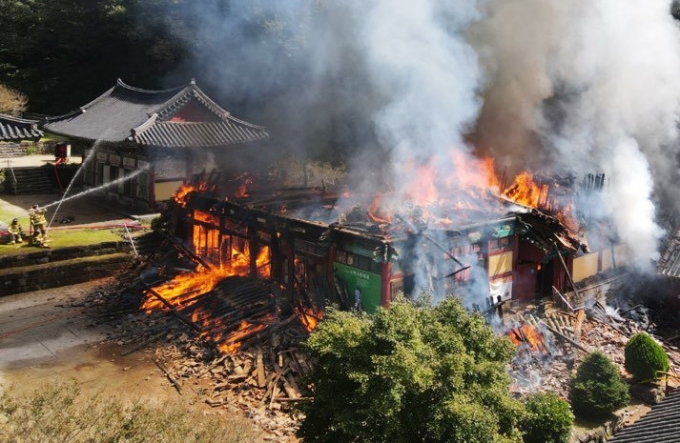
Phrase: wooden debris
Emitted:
{"points": [[169, 376]]}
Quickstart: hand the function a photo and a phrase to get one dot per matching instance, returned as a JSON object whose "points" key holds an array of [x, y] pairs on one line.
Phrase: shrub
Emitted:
{"points": [[548, 420], [410, 374], [597, 390], [645, 357]]}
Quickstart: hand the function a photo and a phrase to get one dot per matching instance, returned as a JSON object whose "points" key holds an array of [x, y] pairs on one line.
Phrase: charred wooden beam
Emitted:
{"points": [[173, 309], [185, 250]]}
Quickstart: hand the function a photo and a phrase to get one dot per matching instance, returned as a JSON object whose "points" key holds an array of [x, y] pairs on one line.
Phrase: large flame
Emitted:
{"points": [[525, 191], [471, 185], [528, 337], [186, 287]]}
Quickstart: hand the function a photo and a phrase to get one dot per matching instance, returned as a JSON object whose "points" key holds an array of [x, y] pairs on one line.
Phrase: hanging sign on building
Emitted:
{"points": [[169, 169], [114, 159]]}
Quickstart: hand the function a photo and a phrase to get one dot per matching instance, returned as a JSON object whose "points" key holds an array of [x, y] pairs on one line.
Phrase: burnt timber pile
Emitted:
{"points": [[236, 345]]}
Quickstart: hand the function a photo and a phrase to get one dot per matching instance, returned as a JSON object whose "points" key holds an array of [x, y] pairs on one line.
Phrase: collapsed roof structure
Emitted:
{"points": [[318, 248]]}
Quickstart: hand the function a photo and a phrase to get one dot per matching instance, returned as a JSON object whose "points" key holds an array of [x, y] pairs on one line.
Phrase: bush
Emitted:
{"points": [[597, 390], [645, 357], [410, 374], [548, 420], [59, 413]]}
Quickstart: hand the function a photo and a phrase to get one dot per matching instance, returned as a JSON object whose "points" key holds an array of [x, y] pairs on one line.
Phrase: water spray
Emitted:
{"points": [[98, 188], [68, 188]]}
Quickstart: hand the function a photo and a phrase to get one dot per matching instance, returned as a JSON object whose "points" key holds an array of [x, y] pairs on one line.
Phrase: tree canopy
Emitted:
{"points": [[62, 54], [410, 374]]}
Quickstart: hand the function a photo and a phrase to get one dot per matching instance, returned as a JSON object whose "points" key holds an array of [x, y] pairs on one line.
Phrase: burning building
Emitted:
{"points": [[494, 249]]}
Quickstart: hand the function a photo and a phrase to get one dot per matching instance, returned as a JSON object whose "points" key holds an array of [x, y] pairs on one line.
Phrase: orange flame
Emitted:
{"points": [[309, 317], [228, 342], [529, 336], [182, 288], [186, 288], [182, 193], [525, 191], [374, 211]]}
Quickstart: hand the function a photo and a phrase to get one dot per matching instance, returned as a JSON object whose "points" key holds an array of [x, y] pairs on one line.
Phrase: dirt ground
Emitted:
{"points": [[45, 337]]}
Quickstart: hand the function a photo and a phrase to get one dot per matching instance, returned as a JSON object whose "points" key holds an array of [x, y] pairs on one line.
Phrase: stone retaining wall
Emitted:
{"points": [[41, 256], [51, 268]]}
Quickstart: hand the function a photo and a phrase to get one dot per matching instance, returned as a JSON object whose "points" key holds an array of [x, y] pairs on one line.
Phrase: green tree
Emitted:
{"points": [[645, 358], [62, 54], [597, 390], [408, 374], [548, 420]]}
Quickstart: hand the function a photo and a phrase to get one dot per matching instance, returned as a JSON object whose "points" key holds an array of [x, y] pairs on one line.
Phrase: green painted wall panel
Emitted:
{"points": [[368, 283]]}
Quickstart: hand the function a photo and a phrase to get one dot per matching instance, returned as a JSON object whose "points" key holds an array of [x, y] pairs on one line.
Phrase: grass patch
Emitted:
{"points": [[80, 237], [60, 413], [65, 238]]}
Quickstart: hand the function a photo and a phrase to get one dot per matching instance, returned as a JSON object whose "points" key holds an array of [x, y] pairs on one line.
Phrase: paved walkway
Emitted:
{"points": [[44, 338]]}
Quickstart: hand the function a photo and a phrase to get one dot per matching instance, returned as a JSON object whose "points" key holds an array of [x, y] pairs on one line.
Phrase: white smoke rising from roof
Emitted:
{"points": [[556, 86], [598, 87], [626, 58]]}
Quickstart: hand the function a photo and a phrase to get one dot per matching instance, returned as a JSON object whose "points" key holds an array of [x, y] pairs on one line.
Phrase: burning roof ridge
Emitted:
{"points": [[183, 97]]}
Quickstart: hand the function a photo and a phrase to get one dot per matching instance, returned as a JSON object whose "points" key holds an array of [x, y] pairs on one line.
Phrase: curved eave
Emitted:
{"points": [[17, 129]]}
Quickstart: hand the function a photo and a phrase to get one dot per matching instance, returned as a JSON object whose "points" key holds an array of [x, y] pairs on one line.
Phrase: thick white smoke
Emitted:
{"points": [[556, 86], [588, 86]]}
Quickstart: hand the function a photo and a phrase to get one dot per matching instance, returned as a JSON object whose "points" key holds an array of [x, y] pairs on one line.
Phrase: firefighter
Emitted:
{"points": [[15, 232], [38, 222]]}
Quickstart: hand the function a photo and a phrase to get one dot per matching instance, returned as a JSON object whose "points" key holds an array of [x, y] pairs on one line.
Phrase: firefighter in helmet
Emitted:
{"points": [[38, 222], [15, 232]]}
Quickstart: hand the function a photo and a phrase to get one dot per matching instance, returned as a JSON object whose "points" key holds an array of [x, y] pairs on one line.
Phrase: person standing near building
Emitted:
{"points": [[38, 222], [15, 232], [358, 300]]}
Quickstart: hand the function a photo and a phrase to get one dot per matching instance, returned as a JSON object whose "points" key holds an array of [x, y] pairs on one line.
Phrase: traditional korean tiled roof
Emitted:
{"points": [[146, 117], [17, 129], [660, 425]]}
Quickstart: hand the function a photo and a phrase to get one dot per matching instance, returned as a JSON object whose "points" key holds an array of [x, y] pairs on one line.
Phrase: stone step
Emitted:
{"points": [[148, 243], [30, 181], [11, 150]]}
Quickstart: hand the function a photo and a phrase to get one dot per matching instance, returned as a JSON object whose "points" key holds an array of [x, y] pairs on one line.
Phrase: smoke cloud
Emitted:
{"points": [[556, 86], [588, 86]]}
